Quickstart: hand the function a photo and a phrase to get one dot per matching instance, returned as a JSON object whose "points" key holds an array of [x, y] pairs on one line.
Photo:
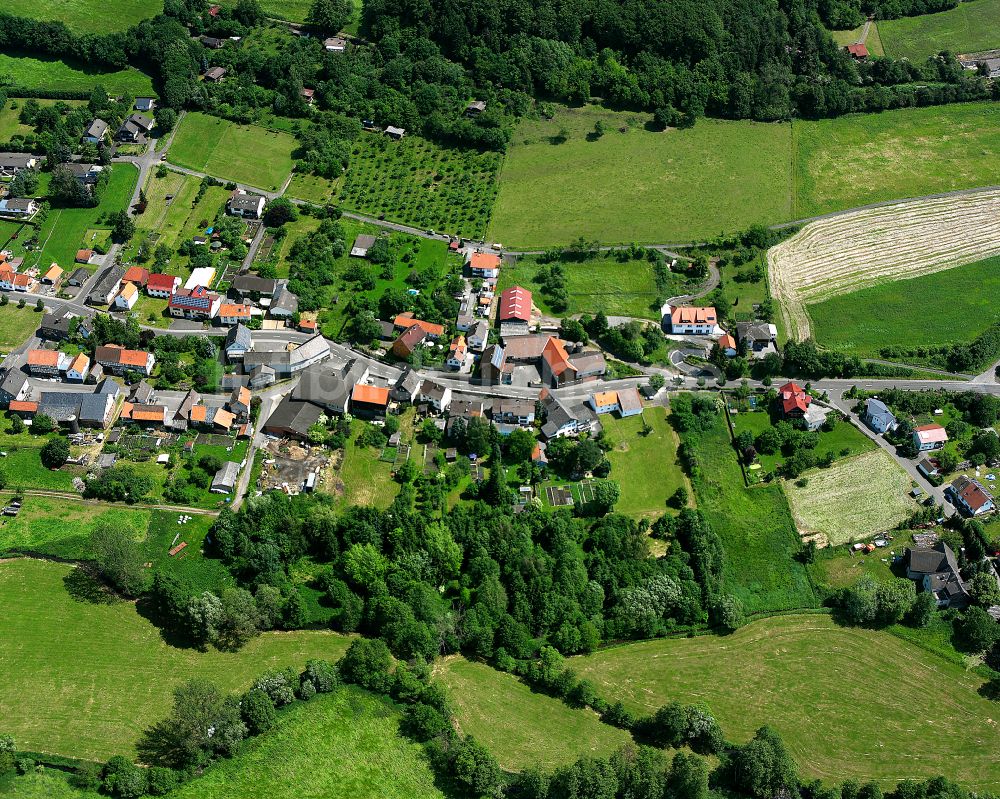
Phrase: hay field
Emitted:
{"points": [[855, 498], [849, 703], [865, 248]]}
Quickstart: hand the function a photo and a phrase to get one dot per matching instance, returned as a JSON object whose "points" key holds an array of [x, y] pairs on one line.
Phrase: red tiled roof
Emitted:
{"points": [[406, 320], [974, 495], [43, 358], [484, 260], [727, 342], [682, 315], [230, 310], [373, 395], [793, 398], [515, 303], [858, 50], [199, 413], [136, 274], [22, 406], [82, 256], [555, 356], [408, 340], [160, 282]]}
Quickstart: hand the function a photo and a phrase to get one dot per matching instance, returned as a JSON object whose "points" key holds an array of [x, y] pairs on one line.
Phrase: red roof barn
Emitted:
{"points": [[515, 303]]}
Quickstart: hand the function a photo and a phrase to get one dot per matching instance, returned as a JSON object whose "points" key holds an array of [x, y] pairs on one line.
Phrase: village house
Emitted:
{"points": [[85, 173], [83, 257], [369, 402], [52, 275], [690, 321], [512, 411], [146, 104], [286, 362], [163, 286], [225, 479], [478, 335], [253, 286], [19, 207], [239, 341], [485, 265], [201, 276], [197, 303], [434, 395], [96, 132], [563, 419], [727, 345], [211, 42], [475, 108], [284, 303], [145, 415], [136, 275], [56, 326], [107, 286], [330, 387], [494, 368], [293, 418], [625, 402], [407, 342], [404, 321], [233, 314], [936, 569], [118, 360], [857, 51], [239, 402], [43, 363], [248, 206], [215, 74], [81, 408], [794, 401], [12, 163], [307, 95], [407, 386], [335, 44], [514, 311], [970, 496], [14, 386], [928, 437], [878, 416], [559, 368], [457, 352], [77, 369], [127, 297], [135, 129]]}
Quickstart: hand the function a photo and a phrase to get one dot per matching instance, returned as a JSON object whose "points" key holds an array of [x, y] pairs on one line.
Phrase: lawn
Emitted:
{"points": [[873, 41], [87, 16], [843, 699], [312, 188], [520, 727], [31, 72], [367, 480], [245, 154], [345, 744], [420, 183], [755, 525], [84, 679], [643, 186], [64, 229], [969, 28], [60, 527], [164, 532], [10, 123], [17, 324], [914, 151], [855, 498], [635, 454], [169, 218], [600, 284], [865, 321], [21, 465]]}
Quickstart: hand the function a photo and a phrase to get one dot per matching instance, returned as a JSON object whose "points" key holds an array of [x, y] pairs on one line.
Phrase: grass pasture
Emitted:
{"points": [[873, 41], [914, 151], [755, 526], [643, 186], [864, 321], [855, 498], [632, 457], [31, 72], [16, 325], [840, 697], [970, 27], [64, 229], [341, 744], [521, 727], [245, 154], [87, 16], [600, 284], [84, 679]]}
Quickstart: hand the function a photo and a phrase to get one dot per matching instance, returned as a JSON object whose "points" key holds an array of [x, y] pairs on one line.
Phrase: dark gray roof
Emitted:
{"points": [[294, 415], [324, 387], [142, 392], [107, 284], [874, 407], [97, 128], [244, 201], [245, 284], [284, 301], [13, 382], [226, 477], [18, 204], [84, 405], [931, 560], [240, 336], [79, 276], [16, 160]]}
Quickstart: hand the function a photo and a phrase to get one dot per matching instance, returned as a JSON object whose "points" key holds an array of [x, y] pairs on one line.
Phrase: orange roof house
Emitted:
{"points": [[794, 400], [22, 406], [199, 413], [372, 395], [485, 264], [54, 274], [136, 275], [406, 320], [554, 356], [234, 311], [223, 419], [408, 340], [727, 342], [857, 50], [84, 256], [43, 359]]}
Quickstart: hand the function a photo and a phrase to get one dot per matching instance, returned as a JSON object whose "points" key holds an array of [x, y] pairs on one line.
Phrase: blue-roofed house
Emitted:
{"points": [[878, 417]]}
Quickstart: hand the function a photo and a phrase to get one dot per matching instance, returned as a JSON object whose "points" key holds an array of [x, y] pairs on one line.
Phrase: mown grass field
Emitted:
{"points": [[64, 230], [853, 499], [969, 28], [914, 151], [843, 699], [87, 16], [599, 284], [337, 745], [929, 311], [520, 727], [635, 454], [873, 41], [679, 185], [367, 480], [84, 679], [643, 186], [16, 325], [29, 72], [59, 527], [756, 528], [245, 154]]}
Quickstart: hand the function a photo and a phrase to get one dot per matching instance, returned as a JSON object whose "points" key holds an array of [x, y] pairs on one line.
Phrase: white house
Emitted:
{"points": [[878, 417], [435, 395], [163, 286], [19, 207], [127, 297], [96, 132], [479, 335], [929, 436], [690, 321], [78, 368], [970, 496], [249, 206]]}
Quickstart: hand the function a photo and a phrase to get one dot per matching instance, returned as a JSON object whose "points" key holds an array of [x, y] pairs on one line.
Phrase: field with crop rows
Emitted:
{"points": [[840, 255], [421, 183], [853, 499]]}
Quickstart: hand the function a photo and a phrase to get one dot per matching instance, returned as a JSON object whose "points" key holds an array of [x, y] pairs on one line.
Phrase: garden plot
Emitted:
{"points": [[856, 250], [853, 499]]}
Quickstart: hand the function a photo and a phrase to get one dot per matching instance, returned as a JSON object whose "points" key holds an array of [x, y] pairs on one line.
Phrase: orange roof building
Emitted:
{"points": [[406, 320], [727, 342], [54, 275], [223, 419], [369, 401], [22, 406], [199, 413], [84, 256], [233, 311], [43, 359], [794, 400], [484, 264], [136, 275]]}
